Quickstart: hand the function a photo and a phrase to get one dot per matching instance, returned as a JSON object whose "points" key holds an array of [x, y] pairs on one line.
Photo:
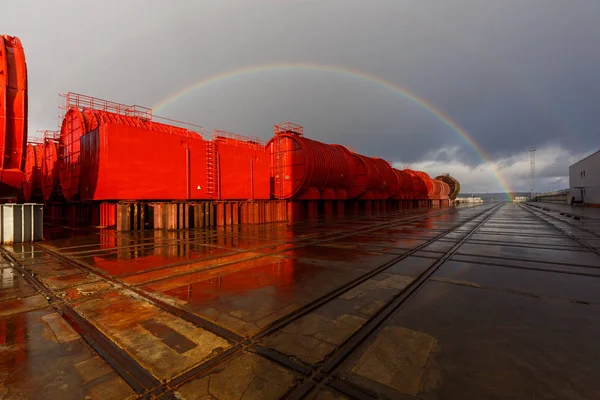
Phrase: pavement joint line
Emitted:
{"points": [[525, 260], [530, 268], [353, 342], [564, 232]]}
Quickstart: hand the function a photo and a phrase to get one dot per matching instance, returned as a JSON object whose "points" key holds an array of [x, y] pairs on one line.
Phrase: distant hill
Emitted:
{"points": [[494, 196]]}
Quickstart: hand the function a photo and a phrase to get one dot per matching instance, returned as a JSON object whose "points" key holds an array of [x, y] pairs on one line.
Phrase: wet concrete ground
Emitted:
{"points": [[492, 301]]}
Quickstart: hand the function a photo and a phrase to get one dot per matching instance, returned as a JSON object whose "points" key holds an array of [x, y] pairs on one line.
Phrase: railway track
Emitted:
{"points": [[324, 374], [253, 343], [141, 380]]}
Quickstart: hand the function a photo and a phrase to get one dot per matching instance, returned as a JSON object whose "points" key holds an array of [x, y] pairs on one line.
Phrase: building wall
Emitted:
{"points": [[559, 196], [586, 174]]}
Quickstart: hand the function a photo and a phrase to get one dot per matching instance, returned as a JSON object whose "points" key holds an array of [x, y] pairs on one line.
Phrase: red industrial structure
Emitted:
{"points": [[51, 188], [310, 175], [117, 165], [119, 162], [32, 182], [13, 115], [453, 185]]}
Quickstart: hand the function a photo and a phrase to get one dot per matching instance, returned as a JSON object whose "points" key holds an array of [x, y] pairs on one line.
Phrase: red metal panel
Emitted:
{"points": [[437, 189], [121, 162], [73, 127], [428, 183], [50, 181], [128, 158], [32, 182], [243, 170], [387, 181], [445, 189], [405, 185], [372, 177], [420, 190], [13, 114]]}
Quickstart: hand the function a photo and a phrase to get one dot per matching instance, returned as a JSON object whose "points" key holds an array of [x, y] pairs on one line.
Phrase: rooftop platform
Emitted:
{"points": [[488, 301]]}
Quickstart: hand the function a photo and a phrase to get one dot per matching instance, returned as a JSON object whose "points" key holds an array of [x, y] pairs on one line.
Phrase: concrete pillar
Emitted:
{"points": [[312, 210], [123, 217], [235, 211], [339, 208], [368, 207], [328, 209]]}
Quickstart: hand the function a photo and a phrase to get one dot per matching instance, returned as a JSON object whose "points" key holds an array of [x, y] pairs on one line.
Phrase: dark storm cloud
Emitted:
{"points": [[513, 74]]}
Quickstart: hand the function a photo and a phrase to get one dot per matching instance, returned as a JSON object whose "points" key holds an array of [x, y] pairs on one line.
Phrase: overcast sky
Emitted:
{"points": [[512, 73]]}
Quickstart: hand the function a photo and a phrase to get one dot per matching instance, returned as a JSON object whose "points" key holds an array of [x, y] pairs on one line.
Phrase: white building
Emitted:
{"points": [[463, 200], [584, 180]]}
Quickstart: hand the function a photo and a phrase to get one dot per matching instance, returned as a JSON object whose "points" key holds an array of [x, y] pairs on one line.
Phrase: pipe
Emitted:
{"points": [[251, 179], [187, 173]]}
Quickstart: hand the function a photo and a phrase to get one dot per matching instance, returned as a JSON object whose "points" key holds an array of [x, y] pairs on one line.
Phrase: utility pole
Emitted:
{"points": [[532, 171]]}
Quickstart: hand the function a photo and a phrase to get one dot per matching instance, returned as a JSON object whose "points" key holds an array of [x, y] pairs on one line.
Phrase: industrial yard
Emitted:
{"points": [[415, 303], [393, 201]]}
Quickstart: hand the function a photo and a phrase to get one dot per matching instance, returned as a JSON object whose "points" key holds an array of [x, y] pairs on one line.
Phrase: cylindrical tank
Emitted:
{"points": [[356, 173], [13, 114], [405, 185], [453, 184], [373, 180], [73, 127], [32, 182], [445, 189], [428, 183], [420, 190], [388, 183], [50, 181], [300, 165], [436, 193], [77, 123]]}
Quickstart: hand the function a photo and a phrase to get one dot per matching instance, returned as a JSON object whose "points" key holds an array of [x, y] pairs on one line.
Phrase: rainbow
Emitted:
{"points": [[356, 74]]}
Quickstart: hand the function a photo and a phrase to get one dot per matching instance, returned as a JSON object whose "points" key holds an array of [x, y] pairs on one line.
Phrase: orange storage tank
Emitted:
{"points": [[32, 182], [445, 189], [388, 183], [437, 190], [405, 185], [303, 168], [428, 184], [420, 190], [453, 184], [13, 114], [128, 158], [50, 181], [372, 178]]}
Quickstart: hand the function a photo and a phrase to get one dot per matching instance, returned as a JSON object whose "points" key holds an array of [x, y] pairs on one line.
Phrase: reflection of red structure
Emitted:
{"points": [[223, 281], [13, 114], [13, 334]]}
